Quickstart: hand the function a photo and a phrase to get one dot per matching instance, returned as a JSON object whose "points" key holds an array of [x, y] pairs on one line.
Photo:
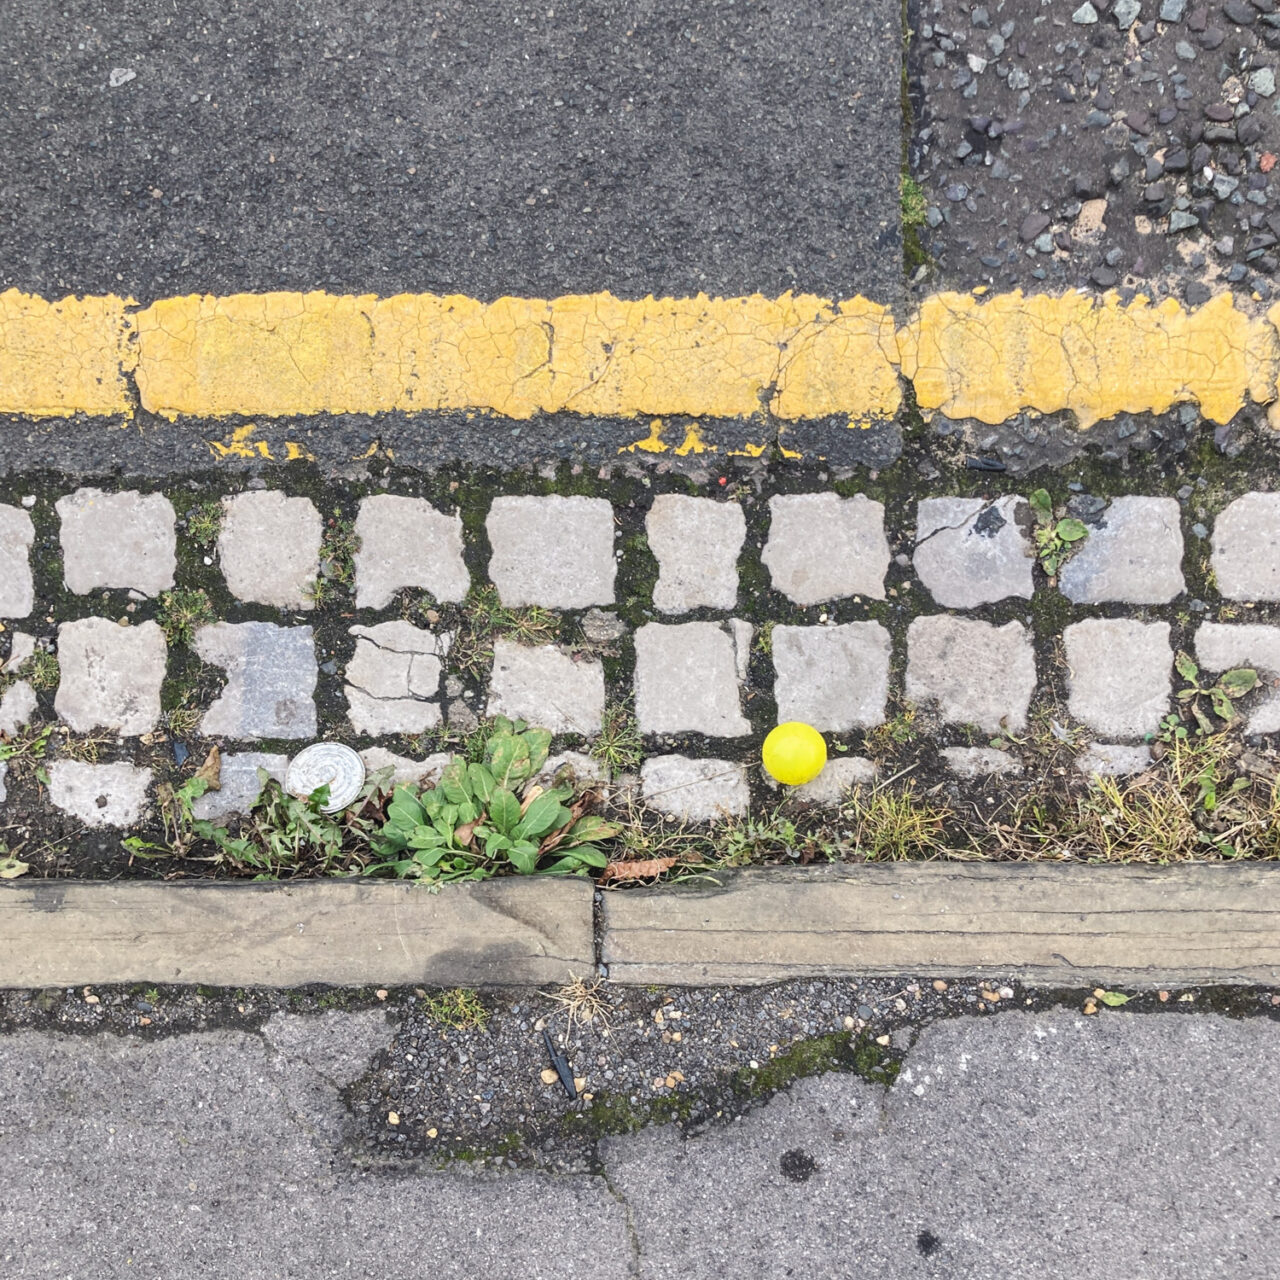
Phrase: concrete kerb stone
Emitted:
{"points": [[406, 542], [526, 931], [123, 539], [17, 585], [1119, 675], [1136, 926], [696, 542], [269, 548], [970, 552]]}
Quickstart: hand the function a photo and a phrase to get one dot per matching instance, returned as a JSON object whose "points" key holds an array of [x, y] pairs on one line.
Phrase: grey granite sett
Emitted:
{"points": [[17, 587], [824, 547], [18, 702], [1112, 760], [689, 676], [393, 678], [1118, 675], [4, 773], [696, 542], [556, 552], [835, 678], [110, 676], [271, 680], [839, 777], [239, 784], [980, 762], [269, 548], [1246, 548], [404, 771], [117, 540], [970, 552], [1221, 646], [547, 687], [973, 672], [99, 795], [406, 542], [694, 790], [1132, 555]]}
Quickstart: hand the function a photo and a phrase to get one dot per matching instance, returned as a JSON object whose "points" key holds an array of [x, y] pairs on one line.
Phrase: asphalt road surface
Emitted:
{"points": [[1121, 1147]]}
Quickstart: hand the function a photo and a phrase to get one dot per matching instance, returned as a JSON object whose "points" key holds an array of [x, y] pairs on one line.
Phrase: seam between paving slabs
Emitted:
{"points": [[800, 357]]}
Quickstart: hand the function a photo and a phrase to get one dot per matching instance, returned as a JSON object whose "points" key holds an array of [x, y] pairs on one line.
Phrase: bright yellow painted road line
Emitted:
{"points": [[798, 356]]}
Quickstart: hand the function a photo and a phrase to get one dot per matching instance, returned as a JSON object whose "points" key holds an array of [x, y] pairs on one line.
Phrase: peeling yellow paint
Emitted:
{"points": [[1096, 357], [794, 358], [64, 357]]}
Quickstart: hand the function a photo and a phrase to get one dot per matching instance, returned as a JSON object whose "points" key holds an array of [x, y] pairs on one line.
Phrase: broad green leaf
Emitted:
{"points": [[480, 780], [1050, 565], [1071, 530], [429, 857], [1206, 725], [539, 743], [1185, 695], [1238, 682], [1042, 504], [426, 837], [1187, 668], [504, 811], [1114, 999], [524, 857], [404, 810], [540, 817], [589, 830], [11, 868], [502, 756], [1222, 704], [453, 782]]}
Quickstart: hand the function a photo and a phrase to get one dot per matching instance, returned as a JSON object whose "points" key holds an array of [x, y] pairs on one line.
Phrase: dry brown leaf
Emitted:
{"points": [[529, 797], [211, 770], [637, 870], [465, 834]]}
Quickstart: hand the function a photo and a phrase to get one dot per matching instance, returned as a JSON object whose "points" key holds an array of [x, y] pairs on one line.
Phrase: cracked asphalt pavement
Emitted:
{"points": [[1035, 1144]]}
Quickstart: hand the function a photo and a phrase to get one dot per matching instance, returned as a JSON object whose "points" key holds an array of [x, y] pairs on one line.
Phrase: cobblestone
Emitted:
{"points": [[973, 672], [1118, 675], [1246, 548], [239, 785], [688, 678], [981, 762], [696, 542], [406, 542], [271, 680], [836, 780], [17, 586], [18, 702], [1132, 555], [393, 678], [548, 687], [1112, 760], [556, 552], [110, 676], [122, 539], [406, 772], [269, 548], [1221, 646], [824, 547], [835, 678], [970, 552], [694, 790], [99, 795]]}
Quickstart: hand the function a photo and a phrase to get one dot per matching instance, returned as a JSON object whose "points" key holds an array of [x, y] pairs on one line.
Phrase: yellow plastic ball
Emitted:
{"points": [[794, 753]]}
